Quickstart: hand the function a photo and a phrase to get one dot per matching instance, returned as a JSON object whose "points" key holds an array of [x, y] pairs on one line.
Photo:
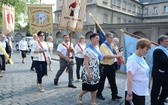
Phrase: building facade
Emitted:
{"points": [[146, 18]]}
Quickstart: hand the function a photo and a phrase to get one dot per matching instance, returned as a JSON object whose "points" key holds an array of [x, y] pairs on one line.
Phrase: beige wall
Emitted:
{"points": [[160, 16]]}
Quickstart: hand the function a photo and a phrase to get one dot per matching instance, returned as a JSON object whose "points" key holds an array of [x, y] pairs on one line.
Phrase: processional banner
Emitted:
{"points": [[8, 19], [40, 18], [73, 13]]}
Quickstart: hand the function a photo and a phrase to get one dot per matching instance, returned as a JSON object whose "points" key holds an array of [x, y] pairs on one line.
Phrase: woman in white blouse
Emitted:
{"points": [[79, 48], [137, 74], [42, 56], [23, 47], [2, 57], [50, 48]]}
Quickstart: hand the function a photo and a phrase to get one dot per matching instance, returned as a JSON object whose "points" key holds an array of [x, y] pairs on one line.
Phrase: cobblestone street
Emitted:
{"points": [[18, 87]]}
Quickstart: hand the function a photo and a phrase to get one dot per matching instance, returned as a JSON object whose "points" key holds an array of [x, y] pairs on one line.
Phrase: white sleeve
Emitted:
{"points": [[59, 48], [131, 66]]}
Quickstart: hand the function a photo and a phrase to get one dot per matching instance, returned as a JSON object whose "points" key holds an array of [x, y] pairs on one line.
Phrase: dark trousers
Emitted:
{"points": [[64, 65], [41, 70], [159, 91], [3, 64], [109, 72], [137, 100], [23, 53], [33, 63], [79, 62]]}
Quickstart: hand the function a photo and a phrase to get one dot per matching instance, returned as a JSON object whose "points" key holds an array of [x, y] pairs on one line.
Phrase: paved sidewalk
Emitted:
{"points": [[18, 87]]}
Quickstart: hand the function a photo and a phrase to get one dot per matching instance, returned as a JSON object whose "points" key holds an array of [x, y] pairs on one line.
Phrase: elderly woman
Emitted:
{"points": [[35, 38], [90, 73], [50, 48], [137, 74], [42, 56], [79, 49], [2, 57]]}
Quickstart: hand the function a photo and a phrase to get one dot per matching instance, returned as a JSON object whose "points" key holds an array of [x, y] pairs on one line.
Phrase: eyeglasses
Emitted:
{"points": [[41, 35]]}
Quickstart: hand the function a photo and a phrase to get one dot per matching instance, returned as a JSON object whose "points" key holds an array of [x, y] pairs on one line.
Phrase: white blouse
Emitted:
{"points": [[23, 45], [40, 56], [3, 44], [79, 50]]}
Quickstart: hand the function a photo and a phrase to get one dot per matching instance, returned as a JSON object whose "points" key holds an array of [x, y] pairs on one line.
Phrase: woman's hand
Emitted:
{"points": [[89, 76], [106, 56], [129, 97]]}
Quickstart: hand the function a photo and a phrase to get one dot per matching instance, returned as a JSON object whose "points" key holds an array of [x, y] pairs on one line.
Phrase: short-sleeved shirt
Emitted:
{"points": [[106, 51], [63, 50], [140, 80]]}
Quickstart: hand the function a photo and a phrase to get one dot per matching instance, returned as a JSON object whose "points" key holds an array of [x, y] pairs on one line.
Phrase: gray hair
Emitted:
{"points": [[49, 37], [162, 38], [109, 34]]}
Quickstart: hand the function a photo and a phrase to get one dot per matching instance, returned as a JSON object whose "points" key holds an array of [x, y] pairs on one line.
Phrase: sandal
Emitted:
{"points": [[79, 99], [41, 88], [93, 103]]}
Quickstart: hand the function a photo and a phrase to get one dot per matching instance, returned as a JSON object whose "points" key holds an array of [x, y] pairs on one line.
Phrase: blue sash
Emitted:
{"points": [[111, 49], [98, 53], [141, 62]]}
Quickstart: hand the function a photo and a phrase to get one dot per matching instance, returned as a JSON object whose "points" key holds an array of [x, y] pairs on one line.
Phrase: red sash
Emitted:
{"points": [[43, 52], [80, 47]]}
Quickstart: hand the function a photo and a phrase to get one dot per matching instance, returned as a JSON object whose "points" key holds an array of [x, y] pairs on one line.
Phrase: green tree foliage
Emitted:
{"points": [[20, 8]]}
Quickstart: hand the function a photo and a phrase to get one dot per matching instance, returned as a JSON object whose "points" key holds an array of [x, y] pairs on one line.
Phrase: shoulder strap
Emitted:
{"points": [[80, 47], [65, 45], [110, 47], [93, 49]]}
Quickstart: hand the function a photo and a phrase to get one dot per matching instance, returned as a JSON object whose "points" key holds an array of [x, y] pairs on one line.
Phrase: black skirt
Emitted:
{"points": [[23, 52], [89, 87]]}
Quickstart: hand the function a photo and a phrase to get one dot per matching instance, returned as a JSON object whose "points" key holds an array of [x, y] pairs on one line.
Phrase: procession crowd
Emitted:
{"points": [[94, 63]]}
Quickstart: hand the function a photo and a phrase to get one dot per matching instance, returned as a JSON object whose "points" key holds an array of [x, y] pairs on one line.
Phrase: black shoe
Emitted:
{"points": [[116, 97], [71, 86], [55, 82], [100, 97], [31, 69]]}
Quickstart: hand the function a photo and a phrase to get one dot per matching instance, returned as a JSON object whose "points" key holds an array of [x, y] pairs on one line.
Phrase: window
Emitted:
{"points": [[139, 10], [105, 19], [124, 21], [118, 20], [129, 21], [134, 9], [129, 7], [84, 20], [59, 18], [155, 10], [105, 1], [118, 3], [146, 11], [114, 2], [165, 9], [124, 5]]}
